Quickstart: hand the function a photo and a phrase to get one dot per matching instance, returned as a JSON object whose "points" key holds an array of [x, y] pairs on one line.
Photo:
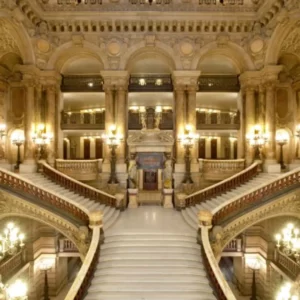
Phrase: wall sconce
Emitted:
{"points": [[41, 139], [282, 137], [158, 82], [142, 82], [257, 139], [187, 140], [2, 130]]}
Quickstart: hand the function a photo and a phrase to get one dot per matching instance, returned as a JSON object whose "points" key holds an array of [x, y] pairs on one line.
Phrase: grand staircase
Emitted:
{"points": [[150, 254], [190, 213], [110, 214]]}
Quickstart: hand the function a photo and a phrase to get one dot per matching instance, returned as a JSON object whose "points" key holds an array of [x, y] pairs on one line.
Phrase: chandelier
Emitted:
{"points": [[286, 293], [11, 241], [289, 242]]}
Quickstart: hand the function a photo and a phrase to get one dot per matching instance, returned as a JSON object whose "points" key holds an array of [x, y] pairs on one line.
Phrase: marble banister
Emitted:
{"points": [[77, 186], [80, 169], [223, 186], [10, 266], [66, 245], [239, 203], [219, 169]]}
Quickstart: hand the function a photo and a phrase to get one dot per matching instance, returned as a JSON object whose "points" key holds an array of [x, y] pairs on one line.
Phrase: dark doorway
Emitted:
{"points": [[65, 150], [201, 153], [99, 148], [150, 180], [214, 149], [86, 148], [235, 149]]}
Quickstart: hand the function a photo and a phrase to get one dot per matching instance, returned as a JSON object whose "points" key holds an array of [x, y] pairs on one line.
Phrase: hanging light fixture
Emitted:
{"points": [[11, 241]]}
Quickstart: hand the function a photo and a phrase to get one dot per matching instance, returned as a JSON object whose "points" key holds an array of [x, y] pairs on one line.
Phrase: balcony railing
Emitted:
{"points": [[217, 83], [150, 83], [66, 245], [81, 83], [234, 245], [83, 120], [218, 120]]}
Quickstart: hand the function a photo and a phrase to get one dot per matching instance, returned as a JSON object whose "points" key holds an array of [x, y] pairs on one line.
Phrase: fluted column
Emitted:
{"points": [[179, 121], [262, 107], [249, 119], [50, 125], [241, 132], [191, 114], [109, 116], [3, 110], [270, 122]]}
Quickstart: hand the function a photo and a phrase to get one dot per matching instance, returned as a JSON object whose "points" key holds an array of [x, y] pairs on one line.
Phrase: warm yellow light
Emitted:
{"points": [[17, 289]]}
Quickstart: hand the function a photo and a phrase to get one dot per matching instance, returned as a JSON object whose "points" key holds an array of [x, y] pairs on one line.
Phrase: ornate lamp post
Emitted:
{"points": [[113, 140], [254, 265], [41, 139], [46, 265], [11, 240], [289, 242], [187, 139], [18, 140], [257, 139], [281, 139], [285, 293], [17, 290]]}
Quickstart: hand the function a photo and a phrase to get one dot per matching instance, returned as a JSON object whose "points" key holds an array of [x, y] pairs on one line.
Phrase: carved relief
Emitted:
{"points": [[7, 42], [291, 43]]}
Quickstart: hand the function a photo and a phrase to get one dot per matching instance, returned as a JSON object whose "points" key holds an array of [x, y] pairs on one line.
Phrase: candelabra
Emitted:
{"points": [[113, 140], [46, 265], [257, 139], [285, 293], [41, 139], [187, 140], [11, 241], [289, 242], [254, 265], [18, 140], [281, 139]]}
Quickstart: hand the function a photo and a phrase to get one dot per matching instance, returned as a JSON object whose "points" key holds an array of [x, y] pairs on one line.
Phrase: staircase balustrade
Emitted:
{"points": [[78, 187], [80, 169], [223, 186], [239, 204], [66, 245], [20, 185], [11, 265], [234, 245], [85, 275]]}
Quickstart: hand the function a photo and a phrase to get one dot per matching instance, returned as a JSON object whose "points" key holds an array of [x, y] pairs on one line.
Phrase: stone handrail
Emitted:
{"points": [[254, 196], [9, 266], [83, 279], [219, 169], [66, 245], [20, 184], [223, 186], [286, 263], [215, 275], [78, 187], [79, 169], [235, 245]]}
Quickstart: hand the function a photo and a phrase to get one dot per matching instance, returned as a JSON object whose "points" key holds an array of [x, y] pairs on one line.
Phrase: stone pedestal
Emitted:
{"points": [[133, 198], [29, 166], [179, 171], [167, 194], [271, 166], [120, 201], [180, 201]]}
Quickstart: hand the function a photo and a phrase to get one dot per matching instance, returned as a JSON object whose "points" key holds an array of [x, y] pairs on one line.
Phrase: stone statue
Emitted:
{"points": [[132, 174], [167, 174], [43, 28]]}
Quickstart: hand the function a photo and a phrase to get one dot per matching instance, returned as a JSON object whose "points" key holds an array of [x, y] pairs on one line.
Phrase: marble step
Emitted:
{"points": [[149, 278], [147, 263], [149, 296], [150, 256], [145, 243], [147, 238], [150, 250], [150, 287]]}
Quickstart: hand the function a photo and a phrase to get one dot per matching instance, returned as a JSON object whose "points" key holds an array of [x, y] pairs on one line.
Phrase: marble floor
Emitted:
{"points": [[151, 219]]}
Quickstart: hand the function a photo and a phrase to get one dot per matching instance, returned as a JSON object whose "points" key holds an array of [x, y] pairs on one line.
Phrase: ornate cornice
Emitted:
{"points": [[12, 205]]}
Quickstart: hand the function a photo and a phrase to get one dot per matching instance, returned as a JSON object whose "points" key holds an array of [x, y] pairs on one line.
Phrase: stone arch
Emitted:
{"points": [[286, 205], [18, 40], [240, 58], [279, 35], [164, 51], [11, 205], [69, 51]]}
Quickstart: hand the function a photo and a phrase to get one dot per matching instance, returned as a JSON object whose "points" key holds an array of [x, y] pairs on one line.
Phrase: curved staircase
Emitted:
{"points": [[150, 254], [190, 213], [110, 214]]}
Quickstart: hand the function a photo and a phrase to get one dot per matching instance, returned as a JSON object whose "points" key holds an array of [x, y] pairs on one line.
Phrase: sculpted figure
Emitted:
{"points": [[132, 172]]}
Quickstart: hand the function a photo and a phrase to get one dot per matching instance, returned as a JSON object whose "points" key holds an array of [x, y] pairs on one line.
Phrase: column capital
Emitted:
{"points": [[186, 79], [117, 80], [270, 73]]}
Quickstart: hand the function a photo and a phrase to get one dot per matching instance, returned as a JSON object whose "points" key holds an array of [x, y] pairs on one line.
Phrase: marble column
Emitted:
{"points": [[191, 115], [59, 135], [3, 110], [241, 132], [50, 125], [270, 123], [109, 116], [29, 165], [249, 120], [262, 107]]}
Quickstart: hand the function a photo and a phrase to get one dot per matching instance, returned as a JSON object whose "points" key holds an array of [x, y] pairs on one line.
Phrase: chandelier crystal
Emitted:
{"points": [[288, 242], [11, 241]]}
